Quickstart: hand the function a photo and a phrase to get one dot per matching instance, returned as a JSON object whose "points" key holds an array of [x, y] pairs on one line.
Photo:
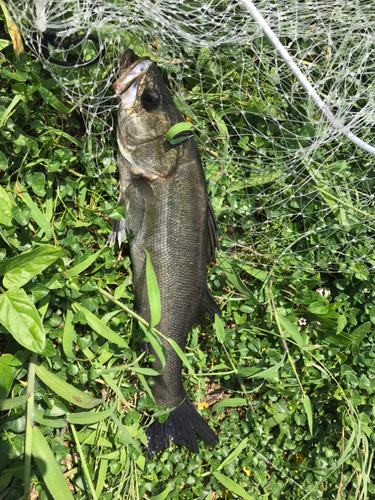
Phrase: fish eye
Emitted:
{"points": [[150, 100]]}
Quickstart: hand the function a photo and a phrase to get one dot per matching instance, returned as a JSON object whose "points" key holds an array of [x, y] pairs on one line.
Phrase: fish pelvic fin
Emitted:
{"points": [[118, 233], [179, 427]]}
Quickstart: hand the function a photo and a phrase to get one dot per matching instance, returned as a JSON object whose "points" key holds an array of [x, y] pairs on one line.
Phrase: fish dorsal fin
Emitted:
{"points": [[211, 232], [207, 307], [144, 187]]}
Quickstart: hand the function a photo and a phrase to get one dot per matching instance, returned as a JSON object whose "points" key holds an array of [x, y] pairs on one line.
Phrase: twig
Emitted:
{"points": [[342, 465]]}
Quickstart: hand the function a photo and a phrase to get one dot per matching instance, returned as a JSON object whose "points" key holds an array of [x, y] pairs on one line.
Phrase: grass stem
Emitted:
{"points": [[83, 462], [29, 426]]}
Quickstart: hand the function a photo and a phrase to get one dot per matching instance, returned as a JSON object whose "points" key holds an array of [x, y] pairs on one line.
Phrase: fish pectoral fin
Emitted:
{"points": [[118, 233], [145, 189], [211, 232], [207, 307]]}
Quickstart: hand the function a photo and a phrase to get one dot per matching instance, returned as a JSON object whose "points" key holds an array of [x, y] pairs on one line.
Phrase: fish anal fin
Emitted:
{"points": [[207, 307]]}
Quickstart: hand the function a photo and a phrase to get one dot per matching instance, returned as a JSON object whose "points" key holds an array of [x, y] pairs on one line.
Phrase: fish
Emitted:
{"points": [[168, 213]]}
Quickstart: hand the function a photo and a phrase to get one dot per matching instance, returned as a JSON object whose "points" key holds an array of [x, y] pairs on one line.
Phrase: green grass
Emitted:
{"points": [[292, 401]]}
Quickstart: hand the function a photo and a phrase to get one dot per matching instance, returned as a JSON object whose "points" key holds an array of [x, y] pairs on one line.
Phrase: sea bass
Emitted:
{"points": [[163, 190]]}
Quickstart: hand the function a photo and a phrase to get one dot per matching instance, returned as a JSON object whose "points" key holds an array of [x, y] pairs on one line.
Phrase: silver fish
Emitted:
{"points": [[163, 190]]}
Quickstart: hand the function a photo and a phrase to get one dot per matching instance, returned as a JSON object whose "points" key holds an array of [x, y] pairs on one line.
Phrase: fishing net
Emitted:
{"points": [[288, 188]]}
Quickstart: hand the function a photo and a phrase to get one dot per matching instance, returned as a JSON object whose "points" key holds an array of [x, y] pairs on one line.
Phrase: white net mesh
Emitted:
{"points": [[287, 187]]}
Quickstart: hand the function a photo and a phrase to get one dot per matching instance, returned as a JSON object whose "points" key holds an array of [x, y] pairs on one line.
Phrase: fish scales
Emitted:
{"points": [[164, 193], [177, 249]]}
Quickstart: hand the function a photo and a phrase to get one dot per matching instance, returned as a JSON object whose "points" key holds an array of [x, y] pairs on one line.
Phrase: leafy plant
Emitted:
{"points": [[286, 377]]}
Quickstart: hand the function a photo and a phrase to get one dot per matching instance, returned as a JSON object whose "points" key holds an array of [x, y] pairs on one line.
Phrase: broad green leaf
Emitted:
{"points": [[61, 133], [289, 329], [5, 207], [68, 332], [53, 101], [83, 461], [307, 405], [112, 384], [82, 266], [349, 449], [253, 181], [110, 456], [163, 495], [7, 112], [48, 467], [233, 278], [109, 315], [37, 215], [4, 44], [234, 454], [177, 129], [11, 403], [100, 327], [259, 274], [181, 355], [232, 486], [20, 317], [96, 440], [274, 420], [204, 57], [340, 339], [21, 214], [147, 371], [156, 344], [219, 329], [21, 269], [124, 429], [6, 375], [120, 290], [230, 403], [55, 423], [152, 291], [89, 417], [318, 307], [103, 467], [342, 322], [256, 372], [39, 184], [5, 477], [65, 390], [360, 333]]}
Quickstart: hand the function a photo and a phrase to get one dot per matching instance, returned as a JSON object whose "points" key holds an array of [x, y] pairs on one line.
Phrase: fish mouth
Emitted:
{"points": [[132, 68]]}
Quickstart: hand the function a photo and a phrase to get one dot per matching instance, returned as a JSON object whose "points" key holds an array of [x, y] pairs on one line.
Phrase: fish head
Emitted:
{"points": [[146, 112]]}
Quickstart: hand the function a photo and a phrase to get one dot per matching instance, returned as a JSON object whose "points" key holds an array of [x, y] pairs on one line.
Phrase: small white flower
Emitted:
{"points": [[302, 321], [323, 293]]}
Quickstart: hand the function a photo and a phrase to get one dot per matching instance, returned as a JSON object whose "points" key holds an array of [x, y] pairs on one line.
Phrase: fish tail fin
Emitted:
{"points": [[179, 427]]}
